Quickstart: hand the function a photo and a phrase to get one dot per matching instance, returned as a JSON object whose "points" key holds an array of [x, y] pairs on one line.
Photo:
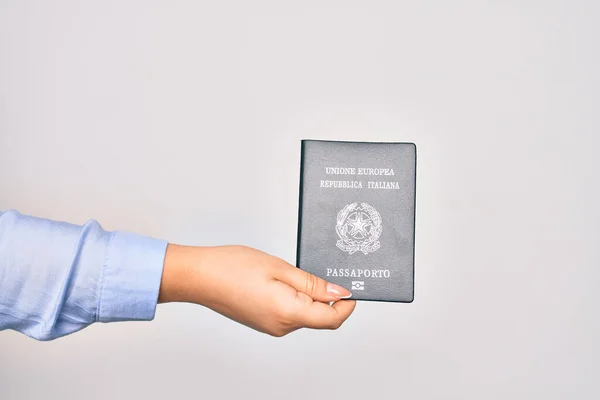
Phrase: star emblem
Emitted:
{"points": [[358, 228], [358, 223]]}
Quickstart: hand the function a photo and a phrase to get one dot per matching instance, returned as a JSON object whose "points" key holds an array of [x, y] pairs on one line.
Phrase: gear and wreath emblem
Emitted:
{"points": [[358, 227]]}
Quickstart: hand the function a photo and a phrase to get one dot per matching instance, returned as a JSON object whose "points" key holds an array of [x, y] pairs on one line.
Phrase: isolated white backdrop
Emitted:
{"points": [[182, 120]]}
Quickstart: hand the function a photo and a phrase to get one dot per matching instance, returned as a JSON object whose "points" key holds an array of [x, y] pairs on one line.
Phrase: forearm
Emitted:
{"points": [[196, 274], [178, 265]]}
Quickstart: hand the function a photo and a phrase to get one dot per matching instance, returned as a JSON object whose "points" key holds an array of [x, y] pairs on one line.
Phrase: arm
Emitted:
{"points": [[57, 278]]}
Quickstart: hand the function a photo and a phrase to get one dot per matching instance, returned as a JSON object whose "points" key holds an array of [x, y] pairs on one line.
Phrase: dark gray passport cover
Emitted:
{"points": [[356, 222]]}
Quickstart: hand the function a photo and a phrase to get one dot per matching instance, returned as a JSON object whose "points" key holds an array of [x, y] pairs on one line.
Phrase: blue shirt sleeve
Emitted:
{"points": [[57, 278]]}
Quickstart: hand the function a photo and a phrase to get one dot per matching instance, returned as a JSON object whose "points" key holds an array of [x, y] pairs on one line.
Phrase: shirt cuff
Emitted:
{"points": [[132, 273]]}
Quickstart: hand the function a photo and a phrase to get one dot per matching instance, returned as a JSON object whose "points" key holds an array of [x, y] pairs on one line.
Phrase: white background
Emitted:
{"points": [[182, 120]]}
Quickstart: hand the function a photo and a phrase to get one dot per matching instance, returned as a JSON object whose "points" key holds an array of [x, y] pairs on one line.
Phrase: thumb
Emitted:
{"points": [[318, 289]]}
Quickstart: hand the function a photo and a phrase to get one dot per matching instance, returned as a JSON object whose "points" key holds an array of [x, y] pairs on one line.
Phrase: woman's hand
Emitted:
{"points": [[254, 288]]}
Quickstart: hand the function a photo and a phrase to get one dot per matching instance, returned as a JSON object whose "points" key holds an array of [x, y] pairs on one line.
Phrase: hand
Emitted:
{"points": [[254, 288]]}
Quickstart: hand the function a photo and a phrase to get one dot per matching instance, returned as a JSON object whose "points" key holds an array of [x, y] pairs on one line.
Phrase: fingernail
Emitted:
{"points": [[338, 291]]}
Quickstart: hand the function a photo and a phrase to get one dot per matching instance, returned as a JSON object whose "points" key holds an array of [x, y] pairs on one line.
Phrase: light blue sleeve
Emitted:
{"points": [[57, 278]]}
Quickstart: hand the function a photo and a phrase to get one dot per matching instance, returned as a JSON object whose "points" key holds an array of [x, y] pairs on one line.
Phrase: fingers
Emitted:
{"points": [[313, 295], [317, 315], [318, 289]]}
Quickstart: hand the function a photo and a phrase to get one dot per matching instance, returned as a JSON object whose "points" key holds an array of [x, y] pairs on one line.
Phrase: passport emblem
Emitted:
{"points": [[358, 228]]}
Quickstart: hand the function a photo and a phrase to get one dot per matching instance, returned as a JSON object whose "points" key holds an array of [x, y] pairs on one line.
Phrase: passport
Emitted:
{"points": [[356, 216]]}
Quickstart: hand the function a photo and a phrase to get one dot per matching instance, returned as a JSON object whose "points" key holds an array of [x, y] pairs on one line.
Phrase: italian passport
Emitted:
{"points": [[356, 216]]}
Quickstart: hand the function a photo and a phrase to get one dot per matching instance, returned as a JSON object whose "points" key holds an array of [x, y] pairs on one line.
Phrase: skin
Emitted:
{"points": [[253, 288]]}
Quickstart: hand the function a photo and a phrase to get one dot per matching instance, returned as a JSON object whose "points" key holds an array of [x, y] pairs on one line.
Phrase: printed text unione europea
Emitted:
{"points": [[358, 184]]}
